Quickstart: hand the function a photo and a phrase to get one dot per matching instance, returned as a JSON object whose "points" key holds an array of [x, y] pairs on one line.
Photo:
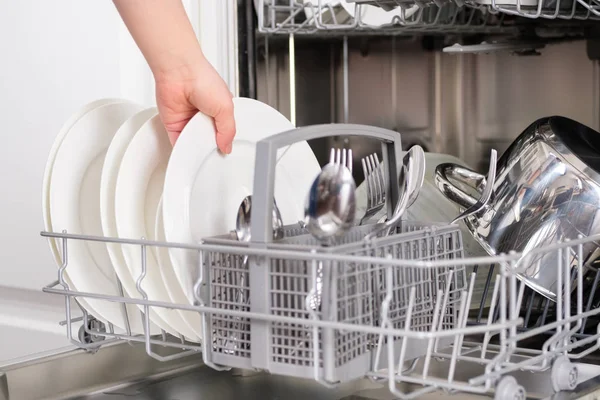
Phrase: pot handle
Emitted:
{"points": [[466, 176]]}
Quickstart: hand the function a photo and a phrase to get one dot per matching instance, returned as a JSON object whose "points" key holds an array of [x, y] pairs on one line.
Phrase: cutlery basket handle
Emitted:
{"points": [[266, 159]]}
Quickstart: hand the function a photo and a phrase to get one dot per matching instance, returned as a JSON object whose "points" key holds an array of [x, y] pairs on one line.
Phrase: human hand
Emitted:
{"points": [[184, 91], [185, 81]]}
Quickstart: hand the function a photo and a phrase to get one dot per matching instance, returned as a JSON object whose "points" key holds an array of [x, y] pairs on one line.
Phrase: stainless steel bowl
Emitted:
{"points": [[547, 190]]}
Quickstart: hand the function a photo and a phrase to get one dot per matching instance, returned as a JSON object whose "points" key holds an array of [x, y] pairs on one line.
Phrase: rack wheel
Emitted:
{"points": [[93, 326], [564, 374], [509, 389]]}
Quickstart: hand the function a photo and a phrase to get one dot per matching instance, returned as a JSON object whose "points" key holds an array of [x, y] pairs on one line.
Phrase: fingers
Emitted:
{"points": [[217, 102], [173, 127], [173, 135]]}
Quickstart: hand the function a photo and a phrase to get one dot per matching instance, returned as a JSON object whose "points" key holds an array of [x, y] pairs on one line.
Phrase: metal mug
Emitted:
{"points": [[547, 190]]}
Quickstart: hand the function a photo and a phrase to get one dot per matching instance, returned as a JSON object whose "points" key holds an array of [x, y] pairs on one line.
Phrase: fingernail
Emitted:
{"points": [[228, 149]]}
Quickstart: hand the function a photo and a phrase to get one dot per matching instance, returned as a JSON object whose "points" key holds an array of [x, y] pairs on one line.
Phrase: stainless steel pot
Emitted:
{"points": [[547, 190]]}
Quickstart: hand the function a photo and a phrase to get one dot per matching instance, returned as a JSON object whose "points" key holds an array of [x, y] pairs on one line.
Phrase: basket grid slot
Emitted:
{"points": [[292, 344], [355, 306], [427, 282], [289, 287], [230, 291]]}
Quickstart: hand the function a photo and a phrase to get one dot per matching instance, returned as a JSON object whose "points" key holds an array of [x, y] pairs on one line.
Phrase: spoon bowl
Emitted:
{"points": [[331, 204], [243, 223]]}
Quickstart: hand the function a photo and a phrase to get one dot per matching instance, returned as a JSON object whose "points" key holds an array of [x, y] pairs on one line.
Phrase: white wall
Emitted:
{"points": [[56, 56]]}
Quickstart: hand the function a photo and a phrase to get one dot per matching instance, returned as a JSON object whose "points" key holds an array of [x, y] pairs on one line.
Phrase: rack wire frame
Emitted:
{"points": [[572, 330]]}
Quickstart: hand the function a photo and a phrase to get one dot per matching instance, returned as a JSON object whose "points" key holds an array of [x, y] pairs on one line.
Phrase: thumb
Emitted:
{"points": [[225, 126]]}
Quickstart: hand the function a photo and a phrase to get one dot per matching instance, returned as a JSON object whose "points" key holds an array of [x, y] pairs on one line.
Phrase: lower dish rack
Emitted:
{"points": [[387, 309]]}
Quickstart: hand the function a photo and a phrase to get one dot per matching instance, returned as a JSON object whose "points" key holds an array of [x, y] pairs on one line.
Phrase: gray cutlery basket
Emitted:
{"points": [[348, 298], [349, 293]]}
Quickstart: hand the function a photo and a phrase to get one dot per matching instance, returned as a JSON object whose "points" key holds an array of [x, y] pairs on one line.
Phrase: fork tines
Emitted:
{"points": [[341, 157], [376, 187]]}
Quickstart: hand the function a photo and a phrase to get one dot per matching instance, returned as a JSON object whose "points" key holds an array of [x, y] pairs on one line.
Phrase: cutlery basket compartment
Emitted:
{"points": [[295, 290]]}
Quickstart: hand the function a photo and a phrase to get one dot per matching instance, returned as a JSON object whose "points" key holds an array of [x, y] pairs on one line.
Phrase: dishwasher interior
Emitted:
{"points": [[458, 104], [456, 78]]}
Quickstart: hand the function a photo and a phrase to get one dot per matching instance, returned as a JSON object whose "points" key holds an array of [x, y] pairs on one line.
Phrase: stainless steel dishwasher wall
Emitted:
{"points": [[457, 104]]}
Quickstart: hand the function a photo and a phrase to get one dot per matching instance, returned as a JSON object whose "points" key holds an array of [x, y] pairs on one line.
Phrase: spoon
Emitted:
{"points": [[243, 227], [330, 207], [417, 172], [243, 222], [410, 181], [243, 233]]}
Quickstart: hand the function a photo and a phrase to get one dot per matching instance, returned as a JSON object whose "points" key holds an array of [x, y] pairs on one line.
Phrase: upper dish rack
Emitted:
{"points": [[406, 17], [550, 9], [321, 17]]}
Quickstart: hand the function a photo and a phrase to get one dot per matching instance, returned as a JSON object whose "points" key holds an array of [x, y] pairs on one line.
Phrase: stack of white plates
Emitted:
{"points": [[112, 172]]}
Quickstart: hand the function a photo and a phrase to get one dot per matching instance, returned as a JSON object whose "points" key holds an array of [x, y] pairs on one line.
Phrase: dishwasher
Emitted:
{"points": [[459, 78]]}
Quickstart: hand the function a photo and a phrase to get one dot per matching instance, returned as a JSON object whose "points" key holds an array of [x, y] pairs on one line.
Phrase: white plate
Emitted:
{"points": [[56, 253], [203, 188], [108, 184], [170, 279], [74, 196], [376, 16], [137, 195]]}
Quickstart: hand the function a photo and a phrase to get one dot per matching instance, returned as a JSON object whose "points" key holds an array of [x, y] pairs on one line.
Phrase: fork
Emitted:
{"points": [[341, 157], [376, 188]]}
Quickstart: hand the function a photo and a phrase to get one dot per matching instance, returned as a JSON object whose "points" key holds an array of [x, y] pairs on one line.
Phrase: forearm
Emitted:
{"points": [[163, 32]]}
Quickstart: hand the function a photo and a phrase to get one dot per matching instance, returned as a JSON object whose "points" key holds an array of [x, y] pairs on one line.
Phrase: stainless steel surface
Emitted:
{"points": [[331, 204], [461, 105], [134, 376], [71, 374], [376, 187], [547, 191]]}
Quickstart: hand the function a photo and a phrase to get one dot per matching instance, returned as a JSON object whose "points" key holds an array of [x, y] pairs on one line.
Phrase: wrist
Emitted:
{"points": [[175, 66]]}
